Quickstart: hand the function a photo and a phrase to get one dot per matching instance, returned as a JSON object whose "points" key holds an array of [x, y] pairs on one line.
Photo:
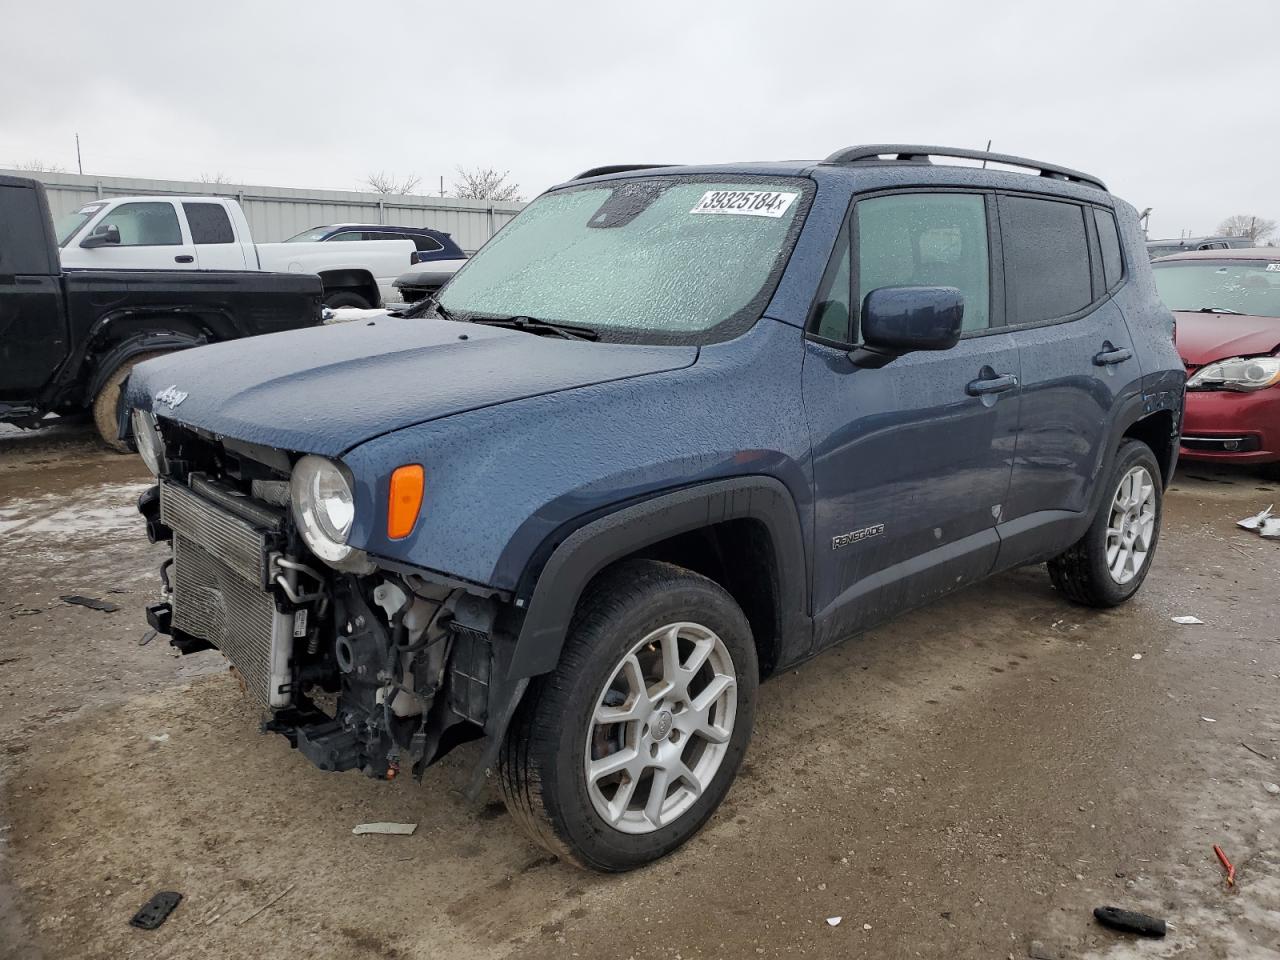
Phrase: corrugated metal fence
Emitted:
{"points": [[277, 213]]}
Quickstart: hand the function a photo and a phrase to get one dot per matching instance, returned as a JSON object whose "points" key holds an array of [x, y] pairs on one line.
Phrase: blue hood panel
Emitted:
{"points": [[327, 389]]}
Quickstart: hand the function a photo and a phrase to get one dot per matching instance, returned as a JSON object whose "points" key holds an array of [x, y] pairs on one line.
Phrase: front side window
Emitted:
{"points": [[1046, 259], [663, 259], [1220, 286], [927, 240], [144, 224], [831, 313]]}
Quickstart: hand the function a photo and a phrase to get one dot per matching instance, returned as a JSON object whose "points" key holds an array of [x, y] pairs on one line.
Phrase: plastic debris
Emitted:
{"points": [[1208, 720], [1271, 788], [93, 603], [866, 926], [156, 910], [1227, 865], [1129, 921], [159, 738], [388, 829], [834, 921], [1136, 656], [1186, 621], [1257, 520]]}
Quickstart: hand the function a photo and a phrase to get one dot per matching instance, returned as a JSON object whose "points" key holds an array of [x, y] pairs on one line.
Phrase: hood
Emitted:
{"points": [[1206, 337], [327, 389]]}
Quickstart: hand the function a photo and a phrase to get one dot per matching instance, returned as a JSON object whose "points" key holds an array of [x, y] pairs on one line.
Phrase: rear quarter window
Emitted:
{"points": [[1046, 256], [1109, 242], [209, 223]]}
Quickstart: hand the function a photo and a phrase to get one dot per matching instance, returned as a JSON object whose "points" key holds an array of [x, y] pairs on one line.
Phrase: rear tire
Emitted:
{"points": [[680, 734], [1107, 565], [345, 298], [105, 403]]}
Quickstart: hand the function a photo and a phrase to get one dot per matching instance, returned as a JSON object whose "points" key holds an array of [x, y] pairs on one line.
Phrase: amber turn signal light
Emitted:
{"points": [[406, 500]]}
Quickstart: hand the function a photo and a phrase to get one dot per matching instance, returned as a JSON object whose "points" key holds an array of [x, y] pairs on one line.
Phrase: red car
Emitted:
{"points": [[1227, 305]]}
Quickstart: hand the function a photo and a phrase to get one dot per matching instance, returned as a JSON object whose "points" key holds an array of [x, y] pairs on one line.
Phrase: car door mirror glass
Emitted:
{"points": [[898, 320]]}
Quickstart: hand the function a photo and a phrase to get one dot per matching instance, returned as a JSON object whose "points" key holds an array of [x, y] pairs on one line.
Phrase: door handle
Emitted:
{"points": [[982, 388], [1111, 355], [184, 258]]}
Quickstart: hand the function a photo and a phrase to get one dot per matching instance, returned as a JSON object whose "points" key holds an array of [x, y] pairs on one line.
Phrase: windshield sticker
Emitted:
{"points": [[752, 203], [1273, 268]]}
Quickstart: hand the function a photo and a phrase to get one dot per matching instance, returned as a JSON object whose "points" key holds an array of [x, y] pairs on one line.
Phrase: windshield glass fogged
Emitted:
{"points": [[310, 235], [666, 255], [69, 224], [1251, 287]]}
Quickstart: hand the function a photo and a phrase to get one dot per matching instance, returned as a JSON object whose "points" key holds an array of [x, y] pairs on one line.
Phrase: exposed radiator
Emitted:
{"points": [[219, 576]]}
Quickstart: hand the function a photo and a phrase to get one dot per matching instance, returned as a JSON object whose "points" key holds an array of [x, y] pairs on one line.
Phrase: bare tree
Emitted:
{"points": [[1255, 228], [391, 185], [485, 183], [218, 178], [39, 166]]}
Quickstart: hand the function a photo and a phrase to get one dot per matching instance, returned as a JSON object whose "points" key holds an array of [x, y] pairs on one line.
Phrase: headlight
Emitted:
{"points": [[149, 442], [1238, 373], [323, 506]]}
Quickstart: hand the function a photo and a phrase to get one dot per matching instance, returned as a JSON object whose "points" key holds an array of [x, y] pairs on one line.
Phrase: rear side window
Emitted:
{"points": [[426, 244], [1046, 259], [1109, 241], [209, 223], [927, 240], [144, 224]]}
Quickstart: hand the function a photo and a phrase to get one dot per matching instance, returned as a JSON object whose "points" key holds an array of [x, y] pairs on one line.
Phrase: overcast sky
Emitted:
{"points": [[1173, 103]]}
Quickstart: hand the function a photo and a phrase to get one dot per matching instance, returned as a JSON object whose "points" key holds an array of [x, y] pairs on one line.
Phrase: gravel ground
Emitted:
{"points": [[969, 781]]}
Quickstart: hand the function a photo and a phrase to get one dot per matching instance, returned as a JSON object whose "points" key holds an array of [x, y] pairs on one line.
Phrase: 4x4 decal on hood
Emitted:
{"points": [[171, 396]]}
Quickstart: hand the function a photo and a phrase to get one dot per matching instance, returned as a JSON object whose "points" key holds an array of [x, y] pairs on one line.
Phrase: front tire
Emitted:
{"points": [[105, 403], [1107, 565], [622, 753]]}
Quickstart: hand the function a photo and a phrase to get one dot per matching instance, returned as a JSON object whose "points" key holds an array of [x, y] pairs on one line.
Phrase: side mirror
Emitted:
{"points": [[898, 320], [106, 235]]}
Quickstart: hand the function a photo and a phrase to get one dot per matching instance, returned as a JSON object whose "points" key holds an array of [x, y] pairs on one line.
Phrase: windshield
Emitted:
{"points": [[68, 225], [661, 260], [1241, 286], [312, 235]]}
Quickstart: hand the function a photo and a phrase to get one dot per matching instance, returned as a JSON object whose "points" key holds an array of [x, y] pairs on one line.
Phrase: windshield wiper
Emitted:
{"points": [[1236, 313], [536, 326], [423, 307]]}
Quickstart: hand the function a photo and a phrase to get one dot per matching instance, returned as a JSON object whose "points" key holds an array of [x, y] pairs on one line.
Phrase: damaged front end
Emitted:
{"points": [[362, 663]]}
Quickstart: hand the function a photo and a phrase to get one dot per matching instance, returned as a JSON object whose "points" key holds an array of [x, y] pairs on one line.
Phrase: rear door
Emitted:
{"points": [[1078, 365], [213, 237], [33, 326], [152, 237], [911, 462]]}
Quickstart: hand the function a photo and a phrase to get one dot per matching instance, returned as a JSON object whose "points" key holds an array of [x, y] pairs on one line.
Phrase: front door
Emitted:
{"points": [[911, 462], [152, 237]]}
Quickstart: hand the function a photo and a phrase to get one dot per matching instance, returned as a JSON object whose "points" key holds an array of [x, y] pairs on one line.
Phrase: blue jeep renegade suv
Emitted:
{"points": [[672, 430]]}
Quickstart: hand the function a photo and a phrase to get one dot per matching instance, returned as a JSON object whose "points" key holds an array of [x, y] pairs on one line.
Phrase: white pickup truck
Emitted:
{"points": [[211, 233]]}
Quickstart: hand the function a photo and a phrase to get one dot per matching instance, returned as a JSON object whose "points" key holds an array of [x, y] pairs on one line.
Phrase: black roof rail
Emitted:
{"points": [[920, 153], [620, 168]]}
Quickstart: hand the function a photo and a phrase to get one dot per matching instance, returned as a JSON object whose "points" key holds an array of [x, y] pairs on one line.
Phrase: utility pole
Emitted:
{"points": [[442, 184], [79, 165]]}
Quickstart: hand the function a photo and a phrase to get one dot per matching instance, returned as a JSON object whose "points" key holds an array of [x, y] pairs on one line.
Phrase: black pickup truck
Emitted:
{"points": [[68, 339]]}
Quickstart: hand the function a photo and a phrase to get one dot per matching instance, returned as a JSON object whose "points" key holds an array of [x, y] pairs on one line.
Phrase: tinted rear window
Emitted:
{"points": [[209, 223], [1109, 241], [1046, 256], [24, 246]]}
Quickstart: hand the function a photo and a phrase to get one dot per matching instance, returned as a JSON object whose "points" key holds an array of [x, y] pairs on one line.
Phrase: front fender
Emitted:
{"points": [[558, 587]]}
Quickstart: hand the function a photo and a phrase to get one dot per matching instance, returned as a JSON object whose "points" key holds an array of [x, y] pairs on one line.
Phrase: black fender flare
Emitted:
{"points": [[593, 546], [132, 347]]}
